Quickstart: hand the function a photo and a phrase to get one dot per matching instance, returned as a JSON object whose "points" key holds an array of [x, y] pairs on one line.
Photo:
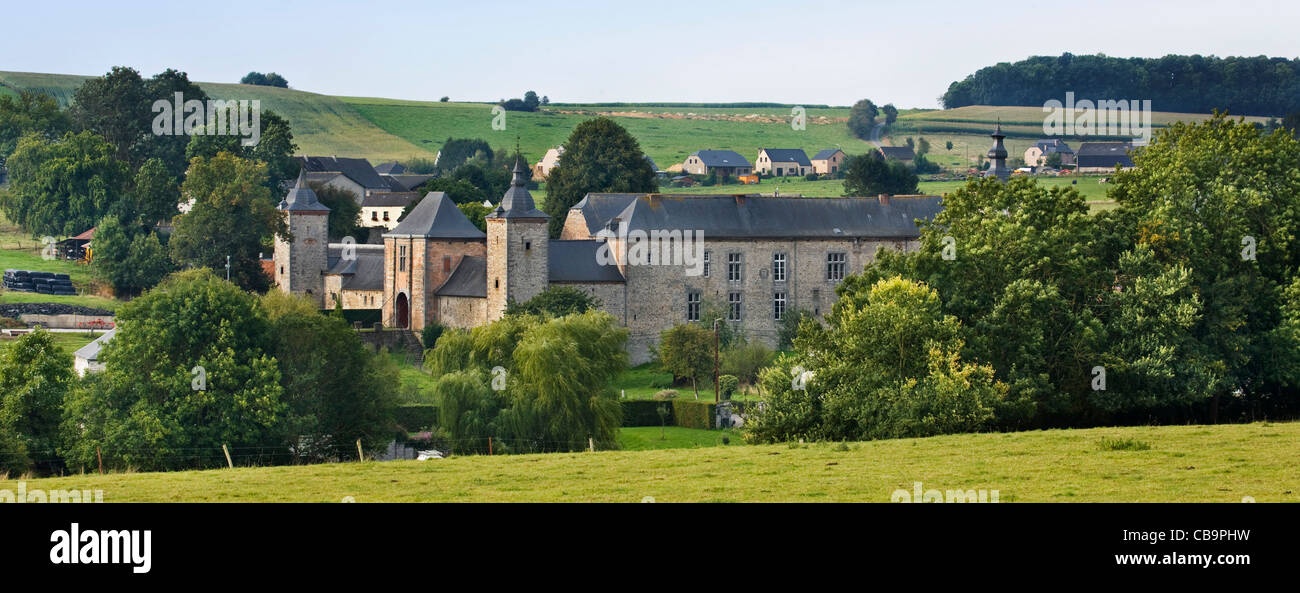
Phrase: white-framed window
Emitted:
{"points": [[401, 257], [708, 258], [778, 305], [733, 306], [835, 264], [778, 267], [734, 271], [693, 305]]}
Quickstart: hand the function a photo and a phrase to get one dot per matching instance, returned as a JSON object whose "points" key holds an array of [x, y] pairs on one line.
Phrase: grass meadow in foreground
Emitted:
{"points": [[1223, 463]]}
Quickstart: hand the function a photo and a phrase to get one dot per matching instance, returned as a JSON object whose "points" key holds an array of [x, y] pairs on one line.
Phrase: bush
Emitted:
{"points": [[414, 417], [727, 385], [13, 454], [811, 177], [644, 412], [430, 334], [665, 395], [693, 414], [745, 360], [11, 323]]}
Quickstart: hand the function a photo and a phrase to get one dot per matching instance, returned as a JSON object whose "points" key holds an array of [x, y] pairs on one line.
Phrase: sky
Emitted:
{"points": [[799, 52]]}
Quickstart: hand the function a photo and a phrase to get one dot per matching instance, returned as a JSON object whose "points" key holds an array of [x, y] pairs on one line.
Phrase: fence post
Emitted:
{"points": [[591, 445], [360, 456], [99, 456], [230, 464], [489, 446]]}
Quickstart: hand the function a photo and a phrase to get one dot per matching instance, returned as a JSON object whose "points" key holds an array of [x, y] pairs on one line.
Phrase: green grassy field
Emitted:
{"points": [[18, 250], [648, 438], [69, 341], [1222, 463], [322, 125], [1089, 186]]}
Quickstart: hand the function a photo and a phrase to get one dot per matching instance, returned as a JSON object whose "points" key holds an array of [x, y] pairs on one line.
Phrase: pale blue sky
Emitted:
{"points": [[756, 50]]}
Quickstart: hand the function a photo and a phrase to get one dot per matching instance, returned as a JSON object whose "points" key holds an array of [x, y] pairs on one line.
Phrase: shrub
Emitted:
{"points": [[727, 385], [11, 323], [643, 412], [665, 395], [693, 414], [430, 334], [745, 360], [413, 417]]}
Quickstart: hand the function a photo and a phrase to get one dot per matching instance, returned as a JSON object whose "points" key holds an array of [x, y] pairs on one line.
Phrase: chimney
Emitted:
{"points": [[884, 199]]}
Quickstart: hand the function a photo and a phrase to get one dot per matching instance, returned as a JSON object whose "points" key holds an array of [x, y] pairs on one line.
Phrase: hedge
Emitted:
{"points": [[644, 412], [694, 414], [416, 417]]}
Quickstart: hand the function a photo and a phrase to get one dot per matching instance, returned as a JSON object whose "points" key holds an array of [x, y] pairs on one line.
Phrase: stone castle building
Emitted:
{"points": [[756, 259]]}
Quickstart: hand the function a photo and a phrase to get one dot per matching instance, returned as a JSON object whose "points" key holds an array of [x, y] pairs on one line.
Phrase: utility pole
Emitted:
{"points": [[716, 399]]}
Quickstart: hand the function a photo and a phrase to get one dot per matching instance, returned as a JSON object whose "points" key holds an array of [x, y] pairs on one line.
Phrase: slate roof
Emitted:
{"points": [[575, 261], [598, 208], [389, 199], [1048, 146], [301, 198], [1104, 154], [393, 168], [653, 166], [898, 153], [517, 202], [469, 279], [805, 218], [358, 170], [91, 351], [721, 158], [436, 216], [787, 155], [825, 154], [406, 182], [365, 271]]}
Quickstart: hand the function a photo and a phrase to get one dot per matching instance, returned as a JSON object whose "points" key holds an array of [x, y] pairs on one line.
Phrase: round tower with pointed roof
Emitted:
{"points": [[518, 247], [300, 264]]}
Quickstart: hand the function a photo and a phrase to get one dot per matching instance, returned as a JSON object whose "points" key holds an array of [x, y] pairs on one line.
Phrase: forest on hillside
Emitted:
{"points": [[1191, 84]]}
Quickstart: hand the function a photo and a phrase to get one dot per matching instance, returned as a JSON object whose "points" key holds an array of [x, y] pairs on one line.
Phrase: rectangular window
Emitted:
{"points": [[733, 267], [778, 267], [835, 264], [446, 264], [778, 305], [733, 306], [401, 257], [693, 306], [708, 257]]}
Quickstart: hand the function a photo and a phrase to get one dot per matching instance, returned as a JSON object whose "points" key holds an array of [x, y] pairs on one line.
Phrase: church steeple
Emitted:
{"points": [[998, 154]]}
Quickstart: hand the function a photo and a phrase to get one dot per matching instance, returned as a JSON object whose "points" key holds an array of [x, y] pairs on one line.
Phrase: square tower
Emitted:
{"points": [[518, 248], [300, 263]]}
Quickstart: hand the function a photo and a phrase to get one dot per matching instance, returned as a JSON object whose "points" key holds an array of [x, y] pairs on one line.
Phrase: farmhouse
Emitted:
{"points": [[383, 209], [1036, 155], [86, 359], [828, 162], [782, 162], [726, 163], [760, 258], [1103, 157], [897, 153]]}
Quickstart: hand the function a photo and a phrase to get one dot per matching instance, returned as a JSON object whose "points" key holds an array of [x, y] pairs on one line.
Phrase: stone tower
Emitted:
{"points": [[300, 264], [518, 242], [998, 155]]}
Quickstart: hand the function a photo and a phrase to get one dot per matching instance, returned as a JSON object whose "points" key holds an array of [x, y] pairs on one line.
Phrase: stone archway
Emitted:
{"points": [[403, 312]]}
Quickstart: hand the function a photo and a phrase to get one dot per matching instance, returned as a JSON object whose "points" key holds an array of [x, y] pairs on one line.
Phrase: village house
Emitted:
{"points": [[897, 153], [828, 162], [548, 162], [761, 258], [782, 162], [1102, 157], [352, 175], [1036, 155], [726, 163], [383, 209], [390, 168]]}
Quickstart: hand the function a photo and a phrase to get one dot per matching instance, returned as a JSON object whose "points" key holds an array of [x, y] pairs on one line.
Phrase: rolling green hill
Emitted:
{"points": [[321, 124], [1224, 463], [385, 129]]}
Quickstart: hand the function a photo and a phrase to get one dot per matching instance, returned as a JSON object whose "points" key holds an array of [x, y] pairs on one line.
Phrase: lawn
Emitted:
{"points": [[69, 341], [1222, 463], [18, 250], [646, 438]]}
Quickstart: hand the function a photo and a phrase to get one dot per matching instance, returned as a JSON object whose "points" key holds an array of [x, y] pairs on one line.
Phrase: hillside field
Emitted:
{"points": [[1223, 463]]}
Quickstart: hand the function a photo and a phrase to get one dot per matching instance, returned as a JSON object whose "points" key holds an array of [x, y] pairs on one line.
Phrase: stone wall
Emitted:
{"points": [[517, 266], [299, 266], [462, 312]]}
